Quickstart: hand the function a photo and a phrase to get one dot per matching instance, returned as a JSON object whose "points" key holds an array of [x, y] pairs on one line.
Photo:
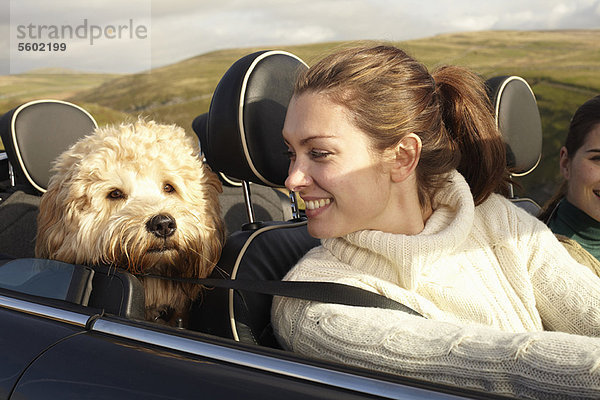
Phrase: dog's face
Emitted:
{"points": [[135, 196]]}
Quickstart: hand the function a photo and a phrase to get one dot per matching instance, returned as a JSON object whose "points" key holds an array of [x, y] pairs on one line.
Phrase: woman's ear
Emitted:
{"points": [[407, 154], [564, 163]]}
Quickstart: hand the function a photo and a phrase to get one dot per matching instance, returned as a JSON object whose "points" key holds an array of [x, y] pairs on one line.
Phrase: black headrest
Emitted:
{"points": [[35, 133], [241, 136], [200, 125], [518, 119]]}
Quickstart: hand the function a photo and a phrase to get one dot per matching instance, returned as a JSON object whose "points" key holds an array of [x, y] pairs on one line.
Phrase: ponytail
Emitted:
{"points": [[468, 118]]}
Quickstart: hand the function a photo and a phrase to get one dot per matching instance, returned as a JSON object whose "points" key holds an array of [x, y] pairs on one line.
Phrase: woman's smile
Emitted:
{"points": [[316, 204], [315, 207]]}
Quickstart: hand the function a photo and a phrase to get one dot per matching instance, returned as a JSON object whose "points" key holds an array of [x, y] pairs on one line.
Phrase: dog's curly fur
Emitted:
{"points": [[102, 198]]}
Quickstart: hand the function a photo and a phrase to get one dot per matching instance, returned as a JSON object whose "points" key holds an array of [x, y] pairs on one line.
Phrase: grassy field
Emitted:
{"points": [[563, 68]]}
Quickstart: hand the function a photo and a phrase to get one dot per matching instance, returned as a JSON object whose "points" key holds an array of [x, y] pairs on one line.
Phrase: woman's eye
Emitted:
{"points": [[168, 188], [115, 194], [319, 154]]}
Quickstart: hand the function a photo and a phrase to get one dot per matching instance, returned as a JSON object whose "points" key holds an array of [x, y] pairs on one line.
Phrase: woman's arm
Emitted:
{"points": [[567, 293], [540, 365]]}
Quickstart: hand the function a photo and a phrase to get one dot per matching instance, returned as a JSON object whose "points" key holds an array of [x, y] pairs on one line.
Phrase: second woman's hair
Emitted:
{"points": [[389, 95]]}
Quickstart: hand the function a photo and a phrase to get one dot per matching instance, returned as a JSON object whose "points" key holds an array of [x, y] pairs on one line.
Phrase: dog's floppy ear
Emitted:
{"points": [[50, 223], [211, 249], [58, 221], [212, 236]]}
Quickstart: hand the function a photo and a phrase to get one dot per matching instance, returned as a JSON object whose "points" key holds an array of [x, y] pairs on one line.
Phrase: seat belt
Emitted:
{"points": [[324, 292]]}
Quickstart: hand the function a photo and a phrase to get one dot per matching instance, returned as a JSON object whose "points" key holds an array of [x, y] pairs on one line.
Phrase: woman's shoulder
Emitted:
{"points": [[580, 255], [339, 260], [317, 264], [498, 215], [500, 206]]}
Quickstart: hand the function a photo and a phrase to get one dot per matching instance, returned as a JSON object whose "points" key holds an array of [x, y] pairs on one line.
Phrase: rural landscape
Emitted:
{"points": [[562, 67]]}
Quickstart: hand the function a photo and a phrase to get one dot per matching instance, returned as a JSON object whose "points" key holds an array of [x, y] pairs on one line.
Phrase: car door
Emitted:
{"points": [[25, 336], [102, 365]]}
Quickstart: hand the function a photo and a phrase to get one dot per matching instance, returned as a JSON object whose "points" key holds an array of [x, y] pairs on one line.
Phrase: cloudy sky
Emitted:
{"points": [[135, 35]]}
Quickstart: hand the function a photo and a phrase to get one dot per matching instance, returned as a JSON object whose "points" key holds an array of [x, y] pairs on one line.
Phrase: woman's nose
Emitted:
{"points": [[298, 178]]}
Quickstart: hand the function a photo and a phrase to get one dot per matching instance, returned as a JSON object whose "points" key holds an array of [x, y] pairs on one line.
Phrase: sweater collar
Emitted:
{"points": [[403, 259]]}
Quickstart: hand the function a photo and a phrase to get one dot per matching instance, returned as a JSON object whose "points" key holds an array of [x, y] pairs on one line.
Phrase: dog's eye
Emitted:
{"points": [[168, 188], [116, 194]]}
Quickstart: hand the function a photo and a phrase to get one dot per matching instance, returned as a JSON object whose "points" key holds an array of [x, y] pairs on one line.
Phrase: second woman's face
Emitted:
{"points": [[345, 186], [582, 172]]}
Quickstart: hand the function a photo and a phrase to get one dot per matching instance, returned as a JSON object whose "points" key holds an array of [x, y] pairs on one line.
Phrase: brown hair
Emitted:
{"points": [[390, 94], [585, 119]]}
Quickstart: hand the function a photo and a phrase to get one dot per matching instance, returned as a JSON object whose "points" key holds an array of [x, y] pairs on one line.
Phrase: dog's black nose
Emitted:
{"points": [[161, 225]]}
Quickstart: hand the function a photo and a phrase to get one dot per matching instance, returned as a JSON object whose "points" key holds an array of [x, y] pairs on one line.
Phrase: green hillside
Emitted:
{"points": [[561, 66]]}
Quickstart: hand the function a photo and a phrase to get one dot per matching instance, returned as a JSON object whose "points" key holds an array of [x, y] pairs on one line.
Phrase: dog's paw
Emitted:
{"points": [[161, 314], [166, 315]]}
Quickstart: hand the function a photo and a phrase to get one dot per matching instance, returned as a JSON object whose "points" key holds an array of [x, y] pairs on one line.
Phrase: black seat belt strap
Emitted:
{"points": [[324, 292]]}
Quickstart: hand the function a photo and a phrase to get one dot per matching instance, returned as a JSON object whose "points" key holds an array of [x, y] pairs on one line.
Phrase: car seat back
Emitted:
{"points": [[112, 290], [518, 119], [35, 133], [263, 254], [243, 140]]}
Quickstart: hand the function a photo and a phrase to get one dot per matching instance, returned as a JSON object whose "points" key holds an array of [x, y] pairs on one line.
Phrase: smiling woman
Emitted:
{"points": [[574, 211], [402, 172]]}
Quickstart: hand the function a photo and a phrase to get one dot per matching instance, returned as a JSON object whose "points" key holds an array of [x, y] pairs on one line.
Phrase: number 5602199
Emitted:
{"points": [[49, 46]]}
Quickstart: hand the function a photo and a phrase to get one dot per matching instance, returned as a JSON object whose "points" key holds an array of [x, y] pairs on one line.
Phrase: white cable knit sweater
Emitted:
{"points": [[489, 280]]}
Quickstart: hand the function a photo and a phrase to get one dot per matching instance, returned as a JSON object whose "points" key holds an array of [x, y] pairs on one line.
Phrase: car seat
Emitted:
{"points": [[242, 139], [518, 119], [33, 134]]}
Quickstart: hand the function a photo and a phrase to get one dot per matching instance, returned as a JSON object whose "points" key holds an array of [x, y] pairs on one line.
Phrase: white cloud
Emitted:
{"points": [[552, 14], [474, 23]]}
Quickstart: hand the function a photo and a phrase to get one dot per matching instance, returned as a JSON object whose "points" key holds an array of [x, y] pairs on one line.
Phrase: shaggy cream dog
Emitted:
{"points": [[136, 196]]}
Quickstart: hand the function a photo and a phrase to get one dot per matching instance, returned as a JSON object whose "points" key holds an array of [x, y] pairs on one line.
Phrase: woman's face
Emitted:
{"points": [[582, 172], [346, 186]]}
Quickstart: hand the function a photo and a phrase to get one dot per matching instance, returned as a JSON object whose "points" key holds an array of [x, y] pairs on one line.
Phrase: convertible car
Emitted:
{"points": [[76, 331]]}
